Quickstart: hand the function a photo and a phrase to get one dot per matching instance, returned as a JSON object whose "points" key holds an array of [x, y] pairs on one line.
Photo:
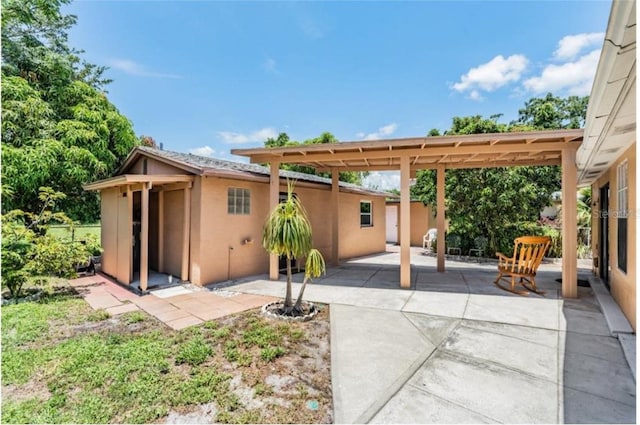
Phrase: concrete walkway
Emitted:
{"points": [[178, 307], [456, 349]]}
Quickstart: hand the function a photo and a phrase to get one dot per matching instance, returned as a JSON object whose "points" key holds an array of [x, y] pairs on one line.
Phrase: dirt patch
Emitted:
{"points": [[293, 388], [30, 390]]}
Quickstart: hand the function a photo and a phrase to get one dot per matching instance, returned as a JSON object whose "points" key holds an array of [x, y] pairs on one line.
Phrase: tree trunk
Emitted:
{"points": [[298, 305], [288, 303]]}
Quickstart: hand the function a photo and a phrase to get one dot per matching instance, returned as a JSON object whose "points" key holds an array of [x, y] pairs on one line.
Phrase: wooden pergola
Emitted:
{"points": [[537, 148]]}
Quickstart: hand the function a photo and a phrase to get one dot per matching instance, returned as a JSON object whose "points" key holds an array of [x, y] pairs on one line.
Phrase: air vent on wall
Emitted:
{"points": [[611, 150], [600, 164]]}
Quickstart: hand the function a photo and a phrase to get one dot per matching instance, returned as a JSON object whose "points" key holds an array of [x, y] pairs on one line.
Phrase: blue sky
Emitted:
{"points": [[206, 77]]}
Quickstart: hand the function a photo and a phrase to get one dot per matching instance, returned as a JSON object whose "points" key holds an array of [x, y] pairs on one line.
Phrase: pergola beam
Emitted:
{"points": [[409, 152], [450, 165]]}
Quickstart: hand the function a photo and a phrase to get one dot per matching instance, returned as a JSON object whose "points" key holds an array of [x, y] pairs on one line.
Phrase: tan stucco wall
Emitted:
{"points": [[153, 167], [124, 271], [623, 285], [173, 231], [422, 219], [153, 231], [357, 241], [109, 227], [212, 260]]}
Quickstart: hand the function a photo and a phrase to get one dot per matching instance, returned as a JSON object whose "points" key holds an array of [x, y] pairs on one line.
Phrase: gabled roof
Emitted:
{"points": [[206, 166]]}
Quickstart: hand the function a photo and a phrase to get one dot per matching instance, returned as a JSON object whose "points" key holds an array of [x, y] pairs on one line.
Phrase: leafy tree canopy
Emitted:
{"points": [[58, 127], [283, 140], [484, 202], [551, 112]]}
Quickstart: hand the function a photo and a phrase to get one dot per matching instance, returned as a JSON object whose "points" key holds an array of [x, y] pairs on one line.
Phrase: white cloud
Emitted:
{"points": [[133, 68], [571, 45], [311, 28], [492, 75], [255, 136], [475, 95], [270, 65], [383, 131], [203, 151], [382, 180], [574, 77]]}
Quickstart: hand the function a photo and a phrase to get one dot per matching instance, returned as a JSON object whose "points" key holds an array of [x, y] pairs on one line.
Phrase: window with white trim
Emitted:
{"points": [[623, 213], [366, 214], [239, 201]]}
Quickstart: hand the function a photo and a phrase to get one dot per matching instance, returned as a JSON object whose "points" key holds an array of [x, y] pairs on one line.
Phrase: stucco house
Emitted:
{"points": [[606, 159], [200, 219]]}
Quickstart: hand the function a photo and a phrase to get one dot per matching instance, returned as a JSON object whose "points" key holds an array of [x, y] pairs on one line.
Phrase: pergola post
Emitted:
{"points": [[144, 237], [274, 195], [569, 224], [186, 234], [440, 216], [405, 224], [335, 217]]}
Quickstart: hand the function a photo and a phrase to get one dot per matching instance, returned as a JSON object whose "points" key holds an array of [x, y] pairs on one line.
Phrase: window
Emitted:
{"points": [[623, 212], [366, 214], [239, 201]]}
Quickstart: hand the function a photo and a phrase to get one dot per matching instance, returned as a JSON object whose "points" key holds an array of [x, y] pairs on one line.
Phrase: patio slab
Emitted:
{"points": [[373, 352], [535, 312], [437, 304], [500, 393], [412, 406]]}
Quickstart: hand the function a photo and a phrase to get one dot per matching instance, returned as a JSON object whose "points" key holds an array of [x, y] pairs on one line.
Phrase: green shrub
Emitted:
{"points": [[98, 315], [133, 317], [27, 249], [194, 352], [271, 353]]}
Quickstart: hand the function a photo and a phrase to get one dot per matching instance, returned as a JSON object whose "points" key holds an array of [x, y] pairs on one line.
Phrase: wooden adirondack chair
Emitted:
{"points": [[528, 252]]}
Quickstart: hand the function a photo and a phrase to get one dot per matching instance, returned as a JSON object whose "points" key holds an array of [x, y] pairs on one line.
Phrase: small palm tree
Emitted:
{"points": [[287, 232]]}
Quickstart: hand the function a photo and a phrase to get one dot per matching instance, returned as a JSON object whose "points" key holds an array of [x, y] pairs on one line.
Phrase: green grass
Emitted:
{"points": [[79, 231], [70, 365]]}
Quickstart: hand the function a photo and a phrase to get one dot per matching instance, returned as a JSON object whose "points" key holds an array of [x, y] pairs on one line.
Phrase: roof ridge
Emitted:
{"points": [[207, 162]]}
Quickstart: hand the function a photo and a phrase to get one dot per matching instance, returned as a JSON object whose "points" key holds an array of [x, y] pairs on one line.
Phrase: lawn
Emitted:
{"points": [[64, 362], [78, 232]]}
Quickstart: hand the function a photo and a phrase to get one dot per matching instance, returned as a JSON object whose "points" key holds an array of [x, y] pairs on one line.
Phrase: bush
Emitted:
{"points": [[27, 250], [194, 352], [53, 256], [271, 353]]}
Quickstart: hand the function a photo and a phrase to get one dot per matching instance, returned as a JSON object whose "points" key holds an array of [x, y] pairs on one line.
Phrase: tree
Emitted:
{"points": [[551, 112], [287, 232], [485, 202], [58, 127], [27, 249], [283, 140]]}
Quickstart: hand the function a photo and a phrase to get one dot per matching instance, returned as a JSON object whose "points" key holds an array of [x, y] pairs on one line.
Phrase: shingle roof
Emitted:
{"points": [[207, 163]]}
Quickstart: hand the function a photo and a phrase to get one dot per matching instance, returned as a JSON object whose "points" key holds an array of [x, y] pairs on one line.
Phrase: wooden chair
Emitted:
{"points": [[528, 252]]}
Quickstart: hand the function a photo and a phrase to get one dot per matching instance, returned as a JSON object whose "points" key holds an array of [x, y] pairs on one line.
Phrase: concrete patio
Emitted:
{"points": [[456, 349]]}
